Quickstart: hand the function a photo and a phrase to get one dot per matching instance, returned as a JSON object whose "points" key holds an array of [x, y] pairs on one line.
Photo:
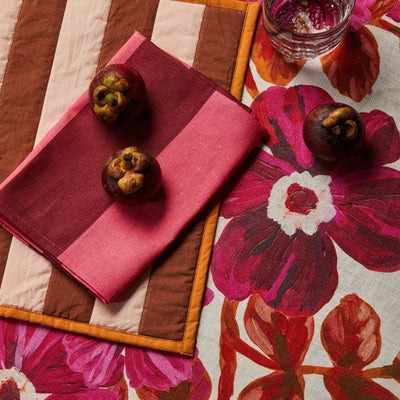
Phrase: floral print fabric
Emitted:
{"points": [[352, 68], [288, 208]]}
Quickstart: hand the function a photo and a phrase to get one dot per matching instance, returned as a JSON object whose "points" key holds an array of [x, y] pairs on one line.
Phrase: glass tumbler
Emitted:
{"points": [[305, 29]]}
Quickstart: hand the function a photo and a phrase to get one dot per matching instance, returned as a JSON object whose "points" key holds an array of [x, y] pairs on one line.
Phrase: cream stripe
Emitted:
{"points": [[176, 28], [76, 58], [75, 61], [9, 12], [124, 315], [25, 278]]}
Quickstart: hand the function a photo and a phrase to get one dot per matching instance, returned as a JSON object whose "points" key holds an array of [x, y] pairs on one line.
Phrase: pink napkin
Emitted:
{"points": [[55, 203]]}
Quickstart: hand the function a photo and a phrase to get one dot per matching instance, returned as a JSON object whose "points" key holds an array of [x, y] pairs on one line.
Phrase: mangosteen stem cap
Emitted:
{"points": [[340, 122]]}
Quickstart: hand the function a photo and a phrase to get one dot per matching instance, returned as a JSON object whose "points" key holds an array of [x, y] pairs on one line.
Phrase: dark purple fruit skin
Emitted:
{"points": [[152, 182], [137, 94], [325, 145]]}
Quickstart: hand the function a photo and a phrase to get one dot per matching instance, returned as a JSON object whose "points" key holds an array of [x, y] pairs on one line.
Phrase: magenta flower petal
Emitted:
{"points": [[282, 111], [38, 353], [100, 363], [208, 297], [382, 136], [90, 394], [395, 13], [239, 256], [196, 387], [286, 215], [361, 14], [308, 277], [382, 144], [155, 369], [367, 223], [294, 274], [251, 185]]}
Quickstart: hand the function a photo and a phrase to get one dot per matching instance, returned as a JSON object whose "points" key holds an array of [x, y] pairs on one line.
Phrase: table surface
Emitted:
{"points": [[295, 306]]}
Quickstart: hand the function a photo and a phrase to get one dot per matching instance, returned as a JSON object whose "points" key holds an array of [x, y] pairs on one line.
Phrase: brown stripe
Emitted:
{"points": [[67, 299], [126, 17], [218, 44], [24, 87], [167, 300], [25, 79]]}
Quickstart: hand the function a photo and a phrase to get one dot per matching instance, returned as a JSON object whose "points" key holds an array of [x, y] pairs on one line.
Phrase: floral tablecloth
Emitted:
{"points": [[303, 296]]}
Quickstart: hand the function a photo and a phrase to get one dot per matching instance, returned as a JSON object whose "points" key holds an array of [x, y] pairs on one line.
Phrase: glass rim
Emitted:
{"points": [[328, 32]]}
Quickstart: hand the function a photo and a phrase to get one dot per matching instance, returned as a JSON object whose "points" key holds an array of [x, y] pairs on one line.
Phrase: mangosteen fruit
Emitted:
{"points": [[131, 175], [333, 131], [117, 92]]}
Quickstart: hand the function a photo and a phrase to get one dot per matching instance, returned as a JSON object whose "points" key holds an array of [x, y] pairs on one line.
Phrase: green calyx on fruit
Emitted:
{"points": [[109, 98], [128, 169]]}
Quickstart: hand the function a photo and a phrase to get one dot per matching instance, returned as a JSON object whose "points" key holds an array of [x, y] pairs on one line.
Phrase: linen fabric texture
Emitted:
{"points": [[155, 311], [55, 203]]}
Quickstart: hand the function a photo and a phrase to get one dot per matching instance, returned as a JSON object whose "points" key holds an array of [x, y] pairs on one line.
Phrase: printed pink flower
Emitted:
{"points": [[361, 14], [196, 387], [286, 209], [395, 13], [145, 367], [100, 362], [34, 361]]}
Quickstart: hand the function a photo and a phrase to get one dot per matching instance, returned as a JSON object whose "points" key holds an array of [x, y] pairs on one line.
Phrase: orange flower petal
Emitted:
{"points": [[272, 66]]}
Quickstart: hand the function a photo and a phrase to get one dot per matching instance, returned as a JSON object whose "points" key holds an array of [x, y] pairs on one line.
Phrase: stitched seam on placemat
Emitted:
{"points": [[240, 47], [215, 202], [49, 318]]}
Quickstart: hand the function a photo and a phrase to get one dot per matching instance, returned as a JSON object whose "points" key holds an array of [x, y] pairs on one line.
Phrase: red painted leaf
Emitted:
{"points": [[353, 66], [272, 66], [350, 333], [274, 387], [121, 388], [227, 354], [250, 84], [285, 340], [348, 386]]}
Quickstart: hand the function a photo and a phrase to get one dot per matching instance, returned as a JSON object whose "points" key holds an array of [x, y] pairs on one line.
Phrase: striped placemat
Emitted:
{"points": [[49, 53]]}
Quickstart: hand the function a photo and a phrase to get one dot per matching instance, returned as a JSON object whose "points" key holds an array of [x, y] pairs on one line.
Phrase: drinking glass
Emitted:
{"points": [[304, 29]]}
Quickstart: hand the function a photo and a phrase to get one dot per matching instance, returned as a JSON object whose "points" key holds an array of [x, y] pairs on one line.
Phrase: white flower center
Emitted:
{"points": [[301, 201], [12, 380]]}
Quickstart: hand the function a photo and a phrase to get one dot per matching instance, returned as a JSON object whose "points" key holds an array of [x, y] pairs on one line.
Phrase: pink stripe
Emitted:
{"points": [[124, 241]]}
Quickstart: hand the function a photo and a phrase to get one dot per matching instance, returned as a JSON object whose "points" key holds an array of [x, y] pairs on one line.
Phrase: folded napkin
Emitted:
{"points": [[54, 200]]}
